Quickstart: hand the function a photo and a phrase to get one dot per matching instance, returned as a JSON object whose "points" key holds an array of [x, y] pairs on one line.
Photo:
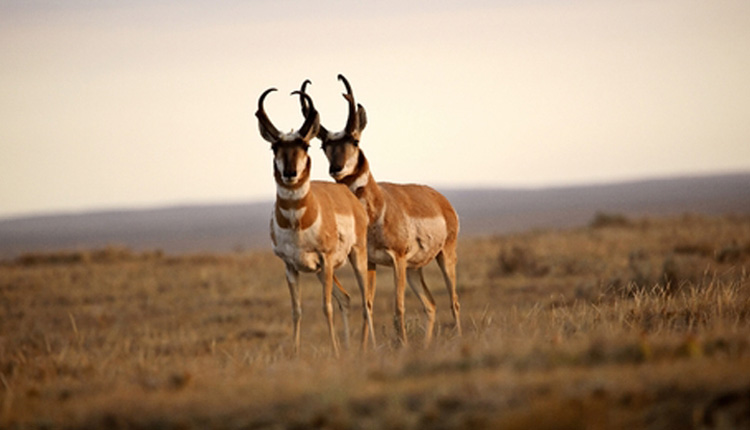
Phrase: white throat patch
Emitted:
{"points": [[293, 193], [294, 215], [360, 182]]}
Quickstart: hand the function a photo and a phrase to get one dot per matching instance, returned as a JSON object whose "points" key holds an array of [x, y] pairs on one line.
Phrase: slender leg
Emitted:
{"points": [[343, 299], [399, 279], [292, 279], [358, 260], [371, 295], [446, 259], [326, 278], [371, 298], [417, 284], [371, 280]]}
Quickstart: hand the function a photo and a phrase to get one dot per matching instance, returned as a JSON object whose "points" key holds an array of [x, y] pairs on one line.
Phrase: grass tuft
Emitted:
{"points": [[646, 326]]}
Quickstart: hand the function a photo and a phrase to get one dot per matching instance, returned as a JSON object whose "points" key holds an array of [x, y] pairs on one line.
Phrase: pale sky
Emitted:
{"points": [[109, 104]]}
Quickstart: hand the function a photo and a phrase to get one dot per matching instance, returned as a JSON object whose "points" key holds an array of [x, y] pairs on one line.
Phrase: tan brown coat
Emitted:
{"points": [[315, 226], [409, 225]]}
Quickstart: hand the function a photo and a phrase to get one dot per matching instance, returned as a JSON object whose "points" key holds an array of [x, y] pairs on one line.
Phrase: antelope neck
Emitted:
{"points": [[295, 204], [364, 187]]}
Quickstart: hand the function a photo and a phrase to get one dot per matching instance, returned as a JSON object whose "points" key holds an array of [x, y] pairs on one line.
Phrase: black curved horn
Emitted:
{"points": [[352, 122], [267, 129], [346, 84], [302, 100], [312, 117]]}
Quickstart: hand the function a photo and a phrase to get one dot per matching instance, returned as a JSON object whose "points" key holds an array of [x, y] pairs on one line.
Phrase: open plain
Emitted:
{"points": [[627, 322]]}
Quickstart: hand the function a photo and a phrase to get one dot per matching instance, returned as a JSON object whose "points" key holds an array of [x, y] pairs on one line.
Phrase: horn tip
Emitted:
{"points": [[263, 97], [304, 96], [272, 89]]}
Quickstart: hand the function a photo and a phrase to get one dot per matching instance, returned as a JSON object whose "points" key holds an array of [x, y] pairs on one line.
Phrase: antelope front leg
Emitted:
{"points": [[399, 278], [343, 299], [292, 279], [326, 278]]}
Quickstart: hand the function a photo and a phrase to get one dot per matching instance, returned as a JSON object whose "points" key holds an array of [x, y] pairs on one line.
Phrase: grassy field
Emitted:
{"points": [[625, 323]]}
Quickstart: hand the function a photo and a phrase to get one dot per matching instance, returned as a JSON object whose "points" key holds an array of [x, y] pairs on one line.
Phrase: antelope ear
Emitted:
{"points": [[362, 117], [271, 136]]}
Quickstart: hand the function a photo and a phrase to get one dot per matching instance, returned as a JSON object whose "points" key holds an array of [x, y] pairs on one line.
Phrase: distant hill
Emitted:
{"points": [[227, 228]]}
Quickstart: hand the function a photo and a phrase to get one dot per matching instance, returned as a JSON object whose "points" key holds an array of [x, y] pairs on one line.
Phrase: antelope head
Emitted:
{"points": [[341, 148], [291, 161]]}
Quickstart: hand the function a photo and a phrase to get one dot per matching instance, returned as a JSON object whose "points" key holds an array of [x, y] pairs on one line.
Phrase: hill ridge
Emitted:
{"points": [[239, 226]]}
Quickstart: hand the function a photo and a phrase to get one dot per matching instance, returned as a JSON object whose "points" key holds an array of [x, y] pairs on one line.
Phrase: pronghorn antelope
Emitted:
{"points": [[315, 226], [409, 225]]}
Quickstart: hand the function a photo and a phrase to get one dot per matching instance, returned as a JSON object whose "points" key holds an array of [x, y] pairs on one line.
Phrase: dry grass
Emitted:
{"points": [[623, 324]]}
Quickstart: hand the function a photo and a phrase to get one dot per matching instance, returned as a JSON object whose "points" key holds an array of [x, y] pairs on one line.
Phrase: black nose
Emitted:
{"points": [[290, 173], [334, 170]]}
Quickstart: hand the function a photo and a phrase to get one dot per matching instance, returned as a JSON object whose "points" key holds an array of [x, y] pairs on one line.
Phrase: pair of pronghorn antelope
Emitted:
{"points": [[316, 226]]}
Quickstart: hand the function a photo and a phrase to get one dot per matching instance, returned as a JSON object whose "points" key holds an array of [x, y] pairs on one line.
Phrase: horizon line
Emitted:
{"points": [[147, 207]]}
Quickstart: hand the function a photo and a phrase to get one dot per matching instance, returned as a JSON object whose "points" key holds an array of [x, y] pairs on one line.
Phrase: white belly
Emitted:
{"points": [[424, 237]]}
